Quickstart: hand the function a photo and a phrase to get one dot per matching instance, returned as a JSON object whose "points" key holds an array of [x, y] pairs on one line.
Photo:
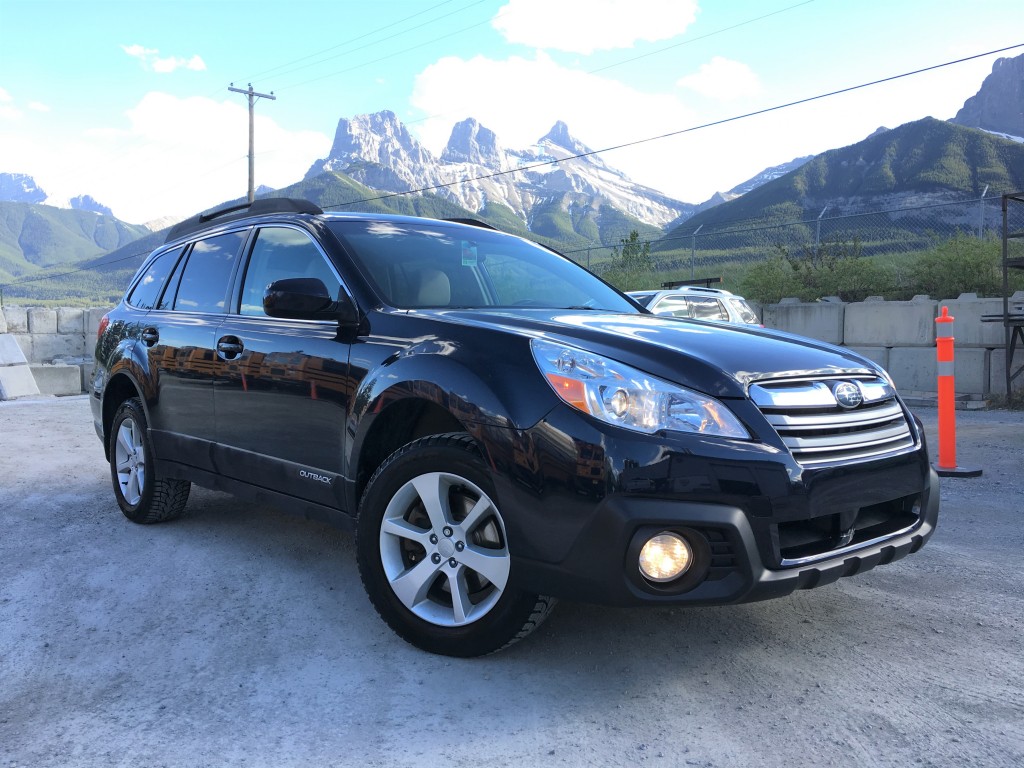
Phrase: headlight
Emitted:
{"points": [[623, 396]]}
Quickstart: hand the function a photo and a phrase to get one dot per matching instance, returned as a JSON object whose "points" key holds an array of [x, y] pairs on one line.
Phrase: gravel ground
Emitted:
{"points": [[240, 636]]}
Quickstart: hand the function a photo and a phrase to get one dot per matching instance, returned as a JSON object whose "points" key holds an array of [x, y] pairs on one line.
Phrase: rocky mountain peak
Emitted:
{"points": [[19, 188], [999, 105], [471, 142], [89, 203], [559, 136], [379, 138]]}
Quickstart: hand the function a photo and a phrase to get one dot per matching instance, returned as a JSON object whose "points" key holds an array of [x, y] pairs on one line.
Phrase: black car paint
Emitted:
{"points": [[289, 410]]}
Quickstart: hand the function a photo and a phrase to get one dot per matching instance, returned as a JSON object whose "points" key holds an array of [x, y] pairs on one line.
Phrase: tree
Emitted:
{"points": [[630, 263]]}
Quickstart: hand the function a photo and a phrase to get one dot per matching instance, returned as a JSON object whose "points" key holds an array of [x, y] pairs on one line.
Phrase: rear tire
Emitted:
{"points": [[143, 496], [433, 553]]}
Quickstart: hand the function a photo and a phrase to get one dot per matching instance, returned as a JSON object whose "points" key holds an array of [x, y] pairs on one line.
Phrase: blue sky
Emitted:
{"points": [[128, 101]]}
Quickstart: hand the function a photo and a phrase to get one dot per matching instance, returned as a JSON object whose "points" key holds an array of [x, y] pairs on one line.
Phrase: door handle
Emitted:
{"points": [[230, 347], [150, 336]]}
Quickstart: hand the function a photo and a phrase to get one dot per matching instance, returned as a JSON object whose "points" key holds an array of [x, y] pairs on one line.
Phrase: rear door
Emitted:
{"points": [[283, 388], [179, 334]]}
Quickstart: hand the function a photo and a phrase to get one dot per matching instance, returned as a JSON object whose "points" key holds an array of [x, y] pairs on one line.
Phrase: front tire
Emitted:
{"points": [[433, 552], [143, 496]]}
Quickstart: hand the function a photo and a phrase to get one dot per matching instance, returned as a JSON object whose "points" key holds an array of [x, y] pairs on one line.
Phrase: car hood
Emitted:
{"points": [[716, 358]]}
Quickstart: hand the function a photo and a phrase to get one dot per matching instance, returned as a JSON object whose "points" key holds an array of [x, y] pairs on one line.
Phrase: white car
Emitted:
{"points": [[698, 303]]}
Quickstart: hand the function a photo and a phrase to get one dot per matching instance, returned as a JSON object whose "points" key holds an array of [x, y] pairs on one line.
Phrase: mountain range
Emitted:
{"points": [[561, 193]]}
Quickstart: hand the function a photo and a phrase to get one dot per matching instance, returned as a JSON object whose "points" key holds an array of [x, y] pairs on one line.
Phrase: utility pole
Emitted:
{"points": [[252, 152]]}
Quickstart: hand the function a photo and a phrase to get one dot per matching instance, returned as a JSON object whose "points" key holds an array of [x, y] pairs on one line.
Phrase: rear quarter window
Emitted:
{"points": [[147, 290]]}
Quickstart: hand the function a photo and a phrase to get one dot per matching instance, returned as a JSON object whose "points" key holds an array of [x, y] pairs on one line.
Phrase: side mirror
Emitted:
{"points": [[306, 298]]}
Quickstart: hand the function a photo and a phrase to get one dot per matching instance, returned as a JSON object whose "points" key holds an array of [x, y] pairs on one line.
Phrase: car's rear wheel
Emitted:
{"points": [[433, 551], [142, 495]]}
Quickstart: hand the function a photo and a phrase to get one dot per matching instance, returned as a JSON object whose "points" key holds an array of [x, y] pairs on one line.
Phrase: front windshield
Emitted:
{"points": [[431, 264]]}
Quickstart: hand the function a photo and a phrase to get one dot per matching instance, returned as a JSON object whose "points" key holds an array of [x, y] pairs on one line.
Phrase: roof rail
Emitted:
{"points": [[705, 281], [474, 223], [241, 210]]}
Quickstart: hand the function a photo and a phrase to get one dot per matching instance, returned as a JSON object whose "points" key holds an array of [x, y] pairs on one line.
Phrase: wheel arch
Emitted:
{"points": [[120, 386], [398, 424]]}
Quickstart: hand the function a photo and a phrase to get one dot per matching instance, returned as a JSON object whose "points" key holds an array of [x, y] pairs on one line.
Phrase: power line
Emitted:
{"points": [[691, 129], [390, 55], [285, 67], [695, 39]]}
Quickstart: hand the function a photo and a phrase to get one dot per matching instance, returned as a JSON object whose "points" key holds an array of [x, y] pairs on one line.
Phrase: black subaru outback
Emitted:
{"points": [[499, 426]]}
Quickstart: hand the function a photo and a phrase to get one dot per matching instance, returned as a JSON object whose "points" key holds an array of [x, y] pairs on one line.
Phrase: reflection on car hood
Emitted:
{"points": [[717, 358]]}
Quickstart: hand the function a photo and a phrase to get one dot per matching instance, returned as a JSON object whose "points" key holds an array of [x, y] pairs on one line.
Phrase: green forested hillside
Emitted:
{"points": [[925, 157], [34, 236]]}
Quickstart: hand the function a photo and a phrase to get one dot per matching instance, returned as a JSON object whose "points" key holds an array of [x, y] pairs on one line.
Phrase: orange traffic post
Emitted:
{"points": [[946, 465]]}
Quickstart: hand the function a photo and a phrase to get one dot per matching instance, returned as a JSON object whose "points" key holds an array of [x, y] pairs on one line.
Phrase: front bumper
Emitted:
{"points": [[601, 566]]}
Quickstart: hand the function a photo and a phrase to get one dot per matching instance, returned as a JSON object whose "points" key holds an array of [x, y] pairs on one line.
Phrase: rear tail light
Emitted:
{"points": [[104, 322]]}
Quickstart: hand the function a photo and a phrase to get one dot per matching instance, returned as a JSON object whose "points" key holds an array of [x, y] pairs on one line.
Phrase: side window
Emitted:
{"points": [[672, 305], [281, 253], [147, 291], [204, 283], [708, 308]]}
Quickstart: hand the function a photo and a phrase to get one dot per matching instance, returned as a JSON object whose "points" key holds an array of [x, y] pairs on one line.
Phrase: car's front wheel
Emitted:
{"points": [[433, 551], [142, 495]]}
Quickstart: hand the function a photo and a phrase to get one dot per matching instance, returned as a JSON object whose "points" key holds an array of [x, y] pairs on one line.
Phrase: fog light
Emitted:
{"points": [[665, 557]]}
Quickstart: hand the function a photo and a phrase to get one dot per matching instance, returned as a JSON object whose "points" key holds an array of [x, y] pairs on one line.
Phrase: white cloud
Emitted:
{"points": [[38, 106], [585, 26], [171, 63], [599, 111], [173, 157], [139, 52], [7, 109], [151, 60], [723, 79]]}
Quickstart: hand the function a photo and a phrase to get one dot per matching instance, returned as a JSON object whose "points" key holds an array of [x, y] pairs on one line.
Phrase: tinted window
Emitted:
{"points": [[147, 290], [204, 283], [281, 253], [427, 265]]}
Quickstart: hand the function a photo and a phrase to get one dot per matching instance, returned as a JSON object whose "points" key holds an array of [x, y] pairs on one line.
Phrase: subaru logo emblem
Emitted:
{"points": [[847, 394]]}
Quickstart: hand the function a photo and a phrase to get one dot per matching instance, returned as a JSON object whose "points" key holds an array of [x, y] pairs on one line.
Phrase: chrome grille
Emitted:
{"points": [[818, 431]]}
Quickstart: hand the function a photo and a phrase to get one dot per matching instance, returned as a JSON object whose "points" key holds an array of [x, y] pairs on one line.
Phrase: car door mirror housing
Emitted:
{"points": [[307, 298]]}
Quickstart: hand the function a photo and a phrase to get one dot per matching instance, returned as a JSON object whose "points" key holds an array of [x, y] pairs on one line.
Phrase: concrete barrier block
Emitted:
{"points": [[890, 323], [913, 369], [997, 372], [11, 352], [968, 330], [971, 370], [878, 355], [17, 319], [70, 320], [93, 315], [42, 320], [17, 381], [817, 320], [24, 342], [48, 347], [57, 379]]}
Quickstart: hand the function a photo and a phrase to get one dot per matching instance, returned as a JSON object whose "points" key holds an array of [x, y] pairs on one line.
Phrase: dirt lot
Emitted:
{"points": [[240, 636]]}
